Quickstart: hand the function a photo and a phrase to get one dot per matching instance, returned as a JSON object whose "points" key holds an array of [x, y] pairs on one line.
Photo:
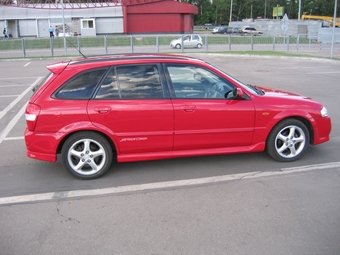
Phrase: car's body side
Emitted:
{"points": [[164, 127]]}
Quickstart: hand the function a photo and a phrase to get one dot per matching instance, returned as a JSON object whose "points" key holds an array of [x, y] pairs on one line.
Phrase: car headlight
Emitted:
{"points": [[324, 112]]}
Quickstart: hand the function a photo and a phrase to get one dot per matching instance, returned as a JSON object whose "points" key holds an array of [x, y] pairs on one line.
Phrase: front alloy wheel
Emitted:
{"points": [[288, 140], [87, 155]]}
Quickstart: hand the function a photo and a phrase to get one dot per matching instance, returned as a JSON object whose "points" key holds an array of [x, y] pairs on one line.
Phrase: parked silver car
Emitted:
{"points": [[189, 41], [250, 31]]}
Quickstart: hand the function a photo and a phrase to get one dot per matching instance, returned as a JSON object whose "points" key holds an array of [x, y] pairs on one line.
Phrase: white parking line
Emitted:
{"points": [[13, 103], [14, 85], [27, 64], [9, 96], [13, 138], [334, 72], [12, 123], [19, 78], [159, 185]]}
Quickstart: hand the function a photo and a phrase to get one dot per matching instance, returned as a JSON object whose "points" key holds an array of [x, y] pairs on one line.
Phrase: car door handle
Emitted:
{"points": [[188, 108], [102, 109]]}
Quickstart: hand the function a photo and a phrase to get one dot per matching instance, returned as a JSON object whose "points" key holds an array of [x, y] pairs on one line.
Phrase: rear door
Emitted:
{"points": [[133, 105]]}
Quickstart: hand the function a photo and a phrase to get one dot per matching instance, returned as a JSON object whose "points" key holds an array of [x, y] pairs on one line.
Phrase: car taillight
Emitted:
{"points": [[32, 113]]}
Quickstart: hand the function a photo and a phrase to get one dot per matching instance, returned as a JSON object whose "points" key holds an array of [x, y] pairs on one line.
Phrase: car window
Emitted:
{"points": [[195, 37], [109, 87], [196, 82], [82, 86], [132, 82]]}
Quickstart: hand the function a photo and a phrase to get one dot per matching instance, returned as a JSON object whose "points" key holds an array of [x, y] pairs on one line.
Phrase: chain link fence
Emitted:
{"points": [[100, 45]]}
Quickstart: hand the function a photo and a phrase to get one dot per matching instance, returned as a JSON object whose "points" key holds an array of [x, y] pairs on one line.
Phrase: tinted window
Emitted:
{"points": [[82, 86], [197, 82], [132, 82], [109, 87]]}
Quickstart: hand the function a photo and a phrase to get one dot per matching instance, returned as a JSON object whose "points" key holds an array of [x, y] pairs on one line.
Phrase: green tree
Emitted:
{"points": [[218, 11], [205, 11], [320, 7], [221, 11]]}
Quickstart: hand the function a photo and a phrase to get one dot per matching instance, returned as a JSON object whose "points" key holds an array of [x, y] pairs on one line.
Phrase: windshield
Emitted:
{"points": [[248, 87]]}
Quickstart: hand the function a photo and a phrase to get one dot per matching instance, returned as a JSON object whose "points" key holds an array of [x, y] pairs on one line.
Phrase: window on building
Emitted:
{"points": [[88, 23]]}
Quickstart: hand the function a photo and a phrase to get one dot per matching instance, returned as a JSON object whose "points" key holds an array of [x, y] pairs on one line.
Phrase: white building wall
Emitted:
{"points": [[109, 25], [110, 19]]}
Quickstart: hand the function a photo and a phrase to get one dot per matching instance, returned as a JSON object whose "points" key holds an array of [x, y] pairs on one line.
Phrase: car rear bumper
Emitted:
{"points": [[42, 146]]}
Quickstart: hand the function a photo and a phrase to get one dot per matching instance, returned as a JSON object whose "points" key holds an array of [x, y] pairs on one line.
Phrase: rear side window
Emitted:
{"points": [[132, 82], [82, 86]]}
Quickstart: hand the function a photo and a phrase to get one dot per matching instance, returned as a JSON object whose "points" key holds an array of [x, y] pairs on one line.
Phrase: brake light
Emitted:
{"points": [[32, 113]]}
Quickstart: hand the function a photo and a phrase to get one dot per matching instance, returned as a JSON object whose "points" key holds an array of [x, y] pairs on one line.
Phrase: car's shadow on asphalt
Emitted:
{"points": [[42, 177]]}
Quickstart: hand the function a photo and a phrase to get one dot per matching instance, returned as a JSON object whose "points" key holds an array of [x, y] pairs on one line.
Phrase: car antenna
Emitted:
{"points": [[76, 48]]}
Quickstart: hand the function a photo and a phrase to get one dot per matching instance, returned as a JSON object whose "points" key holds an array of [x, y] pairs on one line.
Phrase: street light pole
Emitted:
{"points": [[231, 11], [265, 8], [299, 14], [63, 15], [334, 23]]}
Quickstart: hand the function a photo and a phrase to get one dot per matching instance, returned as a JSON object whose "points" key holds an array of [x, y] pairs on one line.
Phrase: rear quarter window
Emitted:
{"points": [[81, 86]]}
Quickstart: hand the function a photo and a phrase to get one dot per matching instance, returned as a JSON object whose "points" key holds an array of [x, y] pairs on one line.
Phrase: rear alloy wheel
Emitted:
{"points": [[199, 46], [87, 155], [288, 140], [178, 46]]}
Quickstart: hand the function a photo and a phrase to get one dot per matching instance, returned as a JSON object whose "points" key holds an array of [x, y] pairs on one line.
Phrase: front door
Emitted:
{"points": [[204, 118]]}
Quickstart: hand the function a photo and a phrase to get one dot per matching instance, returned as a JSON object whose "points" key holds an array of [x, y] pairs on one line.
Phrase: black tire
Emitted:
{"points": [[199, 46], [178, 46], [288, 140], [87, 155]]}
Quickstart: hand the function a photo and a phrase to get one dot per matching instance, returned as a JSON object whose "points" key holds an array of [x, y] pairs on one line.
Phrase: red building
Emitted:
{"points": [[158, 16], [32, 18]]}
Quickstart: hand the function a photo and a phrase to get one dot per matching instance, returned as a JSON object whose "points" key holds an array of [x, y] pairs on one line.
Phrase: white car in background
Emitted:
{"points": [[189, 41]]}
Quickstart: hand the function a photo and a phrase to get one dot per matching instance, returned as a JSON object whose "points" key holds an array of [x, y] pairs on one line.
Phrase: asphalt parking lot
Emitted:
{"points": [[232, 204]]}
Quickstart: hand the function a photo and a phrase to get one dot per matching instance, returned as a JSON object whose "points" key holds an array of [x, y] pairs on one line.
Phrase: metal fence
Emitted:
{"points": [[99, 45]]}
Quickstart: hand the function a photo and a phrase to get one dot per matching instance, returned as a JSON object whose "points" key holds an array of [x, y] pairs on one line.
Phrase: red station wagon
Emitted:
{"points": [[153, 106]]}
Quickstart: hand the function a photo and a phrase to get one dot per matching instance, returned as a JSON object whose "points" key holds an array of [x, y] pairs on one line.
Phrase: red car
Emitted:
{"points": [[154, 106]]}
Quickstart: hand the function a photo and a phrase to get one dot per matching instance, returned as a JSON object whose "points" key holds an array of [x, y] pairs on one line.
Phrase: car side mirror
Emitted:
{"points": [[239, 93], [236, 93]]}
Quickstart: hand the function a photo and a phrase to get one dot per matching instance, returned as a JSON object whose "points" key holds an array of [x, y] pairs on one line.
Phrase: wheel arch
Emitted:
{"points": [[304, 120], [107, 137]]}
